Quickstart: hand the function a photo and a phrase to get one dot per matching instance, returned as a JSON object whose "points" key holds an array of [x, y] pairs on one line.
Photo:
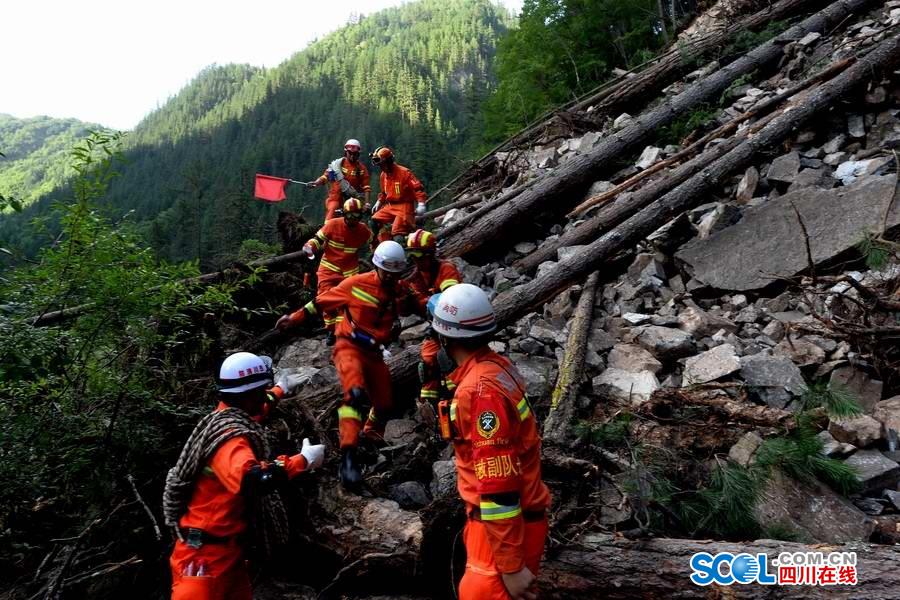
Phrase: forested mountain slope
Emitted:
{"points": [[35, 154], [412, 77]]}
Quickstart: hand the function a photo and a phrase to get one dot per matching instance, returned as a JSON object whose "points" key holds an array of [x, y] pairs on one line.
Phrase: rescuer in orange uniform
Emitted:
{"points": [[370, 304], [351, 171], [340, 240], [498, 454], [213, 482], [430, 278], [401, 198]]}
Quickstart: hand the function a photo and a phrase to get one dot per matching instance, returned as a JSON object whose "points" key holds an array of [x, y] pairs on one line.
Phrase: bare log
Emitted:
{"points": [[464, 221], [602, 566], [613, 214], [526, 297], [557, 427], [743, 412], [641, 81], [562, 187]]}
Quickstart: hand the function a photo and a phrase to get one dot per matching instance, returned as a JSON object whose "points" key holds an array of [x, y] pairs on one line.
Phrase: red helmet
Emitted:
{"points": [[382, 153], [420, 241], [353, 206]]}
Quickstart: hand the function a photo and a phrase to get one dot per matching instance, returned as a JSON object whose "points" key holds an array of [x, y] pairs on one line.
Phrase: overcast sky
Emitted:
{"points": [[113, 61]]}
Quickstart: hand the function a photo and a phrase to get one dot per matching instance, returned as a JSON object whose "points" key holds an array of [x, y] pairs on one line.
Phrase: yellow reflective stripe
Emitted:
{"points": [[350, 250], [523, 408], [338, 319], [364, 296], [337, 245], [428, 394], [321, 235], [449, 384], [453, 410], [330, 266], [351, 272], [348, 412], [372, 416], [491, 511], [330, 321], [447, 283], [314, 243], [207, 470], [310, 308]]}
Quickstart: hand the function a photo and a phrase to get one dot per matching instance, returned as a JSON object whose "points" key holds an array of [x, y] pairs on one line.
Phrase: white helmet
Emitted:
{"points": [[390, 256], [464, 311], [352, 142], [244, 371]]}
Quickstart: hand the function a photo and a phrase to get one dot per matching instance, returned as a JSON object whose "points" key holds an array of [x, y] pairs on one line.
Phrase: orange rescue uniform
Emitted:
{"points": [[400, 192], [423, 286], [369, 311], [498, 466], [340, 245], [356, 175], [217, 508]]}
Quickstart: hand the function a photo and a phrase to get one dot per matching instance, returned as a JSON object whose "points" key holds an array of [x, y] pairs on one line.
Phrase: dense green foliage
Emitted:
{"points": [[35, 155], [86, 403], [411, 77], [564, 48]]}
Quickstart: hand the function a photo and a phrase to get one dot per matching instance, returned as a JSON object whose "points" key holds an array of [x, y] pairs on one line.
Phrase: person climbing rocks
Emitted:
{"points": [[340, 241], [348, 177], [370, 305], [401, 199], [224, 480], [498, 453], [430, 277]]}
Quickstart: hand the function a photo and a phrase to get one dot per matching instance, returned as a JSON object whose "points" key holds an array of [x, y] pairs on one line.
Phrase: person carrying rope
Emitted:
{"points": [[223, 482]]}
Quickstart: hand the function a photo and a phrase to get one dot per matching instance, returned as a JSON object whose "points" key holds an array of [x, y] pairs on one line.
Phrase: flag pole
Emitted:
{"points": [[303, 183]]}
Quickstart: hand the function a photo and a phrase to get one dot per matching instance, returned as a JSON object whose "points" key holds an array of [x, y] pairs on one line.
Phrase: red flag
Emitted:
{"points": [[270, 189]]}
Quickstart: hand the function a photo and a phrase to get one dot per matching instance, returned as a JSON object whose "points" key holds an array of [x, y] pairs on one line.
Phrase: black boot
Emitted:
{"points": [[351, 476]]}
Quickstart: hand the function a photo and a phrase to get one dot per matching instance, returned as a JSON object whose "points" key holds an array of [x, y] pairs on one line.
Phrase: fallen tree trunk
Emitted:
{"points": [[557, 427], [642, 80], [524, 298], [53, 317], [602, 566], [463, 222], [615, 213], [564, 185]]}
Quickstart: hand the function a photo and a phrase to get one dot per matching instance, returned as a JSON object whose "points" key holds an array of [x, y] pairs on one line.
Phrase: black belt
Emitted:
{"points": [[195, 538], [530, 516]]}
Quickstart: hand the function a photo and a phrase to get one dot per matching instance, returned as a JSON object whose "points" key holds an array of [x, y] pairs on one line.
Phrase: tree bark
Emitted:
{"points": [[602, 566], [524, 298], [558, 425], [564, 185], [461, 223]]}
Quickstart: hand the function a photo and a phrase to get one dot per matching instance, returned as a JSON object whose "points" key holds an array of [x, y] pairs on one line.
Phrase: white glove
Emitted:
{"points": [[385, 353], [288, 382], [313, 453], [309, 251], [376, 207], [420, 209]]}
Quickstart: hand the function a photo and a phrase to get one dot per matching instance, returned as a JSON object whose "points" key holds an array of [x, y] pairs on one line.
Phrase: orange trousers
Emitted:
{"points": [[226, 576], [328, 279], [361, 368], [331, 207], [432, 384], [400, 216], [481, 580]]}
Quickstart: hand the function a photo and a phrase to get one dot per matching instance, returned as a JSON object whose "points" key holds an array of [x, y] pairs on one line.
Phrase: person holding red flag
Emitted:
{"points": [[349, 178], [498, 453], [370, 304], [401, 199], [340, 240]]}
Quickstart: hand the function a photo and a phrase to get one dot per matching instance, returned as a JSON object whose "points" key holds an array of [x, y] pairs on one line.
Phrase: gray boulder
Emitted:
{"points": [[769, 242], [784, 168], [625, 385], [665, 343], [629, 357], [812, 509], [860, 431], [875, 470], [410, 495], [400, 431], [742, 452], [711, 365], [774, 380], [866, 390], [443, 482]]}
